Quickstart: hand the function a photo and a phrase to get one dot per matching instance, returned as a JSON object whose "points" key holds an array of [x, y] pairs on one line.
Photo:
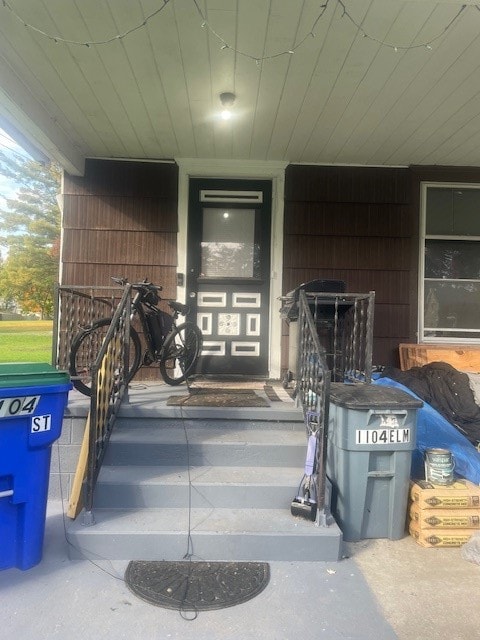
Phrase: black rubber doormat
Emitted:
{"points": [[219, 398], [196, 586]]}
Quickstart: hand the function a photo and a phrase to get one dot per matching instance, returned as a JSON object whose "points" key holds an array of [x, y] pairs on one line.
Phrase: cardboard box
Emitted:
{"points": [[444, 518], [440, 537], [462, 494]]}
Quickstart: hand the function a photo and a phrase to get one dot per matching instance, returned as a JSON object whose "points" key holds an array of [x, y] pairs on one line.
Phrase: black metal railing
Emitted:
{"points": [[335, 342], [108, 389], [313, 393], [75, 308], [344, 323]]}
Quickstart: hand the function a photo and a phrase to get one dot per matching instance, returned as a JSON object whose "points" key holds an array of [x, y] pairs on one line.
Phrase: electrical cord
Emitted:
{"points": [[69, 543], [185, 612]]}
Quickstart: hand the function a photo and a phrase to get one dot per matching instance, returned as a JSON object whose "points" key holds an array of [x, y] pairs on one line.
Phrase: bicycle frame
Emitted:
{"points": [[175, 348], [139, 310]]}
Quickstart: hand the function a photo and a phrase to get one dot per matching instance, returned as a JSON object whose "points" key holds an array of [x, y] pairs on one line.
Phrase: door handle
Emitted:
{"points": [[192, 294]]}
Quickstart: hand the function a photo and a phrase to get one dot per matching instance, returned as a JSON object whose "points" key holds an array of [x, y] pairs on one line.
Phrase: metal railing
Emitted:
{"points": [[335, 340], [76, 309], [344, 323], [313, 392], [108, 389]]}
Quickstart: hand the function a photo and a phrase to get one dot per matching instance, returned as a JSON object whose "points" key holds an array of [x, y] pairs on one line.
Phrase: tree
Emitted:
{"points": [[30, 232]]}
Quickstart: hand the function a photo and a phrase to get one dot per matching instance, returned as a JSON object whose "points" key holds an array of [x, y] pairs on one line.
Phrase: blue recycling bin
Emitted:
{"points": [[33, 397]]}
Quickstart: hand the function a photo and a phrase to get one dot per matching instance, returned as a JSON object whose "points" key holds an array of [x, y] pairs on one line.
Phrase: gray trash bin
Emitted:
{"points": [[372, 432]]}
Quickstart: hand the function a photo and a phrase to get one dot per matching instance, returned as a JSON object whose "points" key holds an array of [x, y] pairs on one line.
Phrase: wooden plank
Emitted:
{"points": [[105, 380], [75, 504], [462, 357]]}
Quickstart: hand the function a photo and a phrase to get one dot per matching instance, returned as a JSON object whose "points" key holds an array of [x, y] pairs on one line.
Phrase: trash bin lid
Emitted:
{"points": [[363, 395], [30, 374]]}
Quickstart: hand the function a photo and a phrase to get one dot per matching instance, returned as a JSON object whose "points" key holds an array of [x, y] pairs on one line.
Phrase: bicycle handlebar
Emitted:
{"points": [[137, 285]]}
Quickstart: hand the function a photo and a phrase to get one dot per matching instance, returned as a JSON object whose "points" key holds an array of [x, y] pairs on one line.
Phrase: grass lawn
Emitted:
{"points": [[26, 341]]}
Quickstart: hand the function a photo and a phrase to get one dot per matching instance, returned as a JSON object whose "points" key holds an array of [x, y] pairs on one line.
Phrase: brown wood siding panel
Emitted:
{"points": [[136, 248], [100, 274], [125, 178], [391, 286], [385, 352], [121, 213], [347, 184], [445, 174], [338, 219], [344, 252], [390, 320], [121, 220], [355, 224]]}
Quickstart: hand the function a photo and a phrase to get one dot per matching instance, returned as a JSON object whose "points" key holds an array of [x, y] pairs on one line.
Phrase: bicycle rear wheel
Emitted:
{"points": [[180, 353], [85, 349]]}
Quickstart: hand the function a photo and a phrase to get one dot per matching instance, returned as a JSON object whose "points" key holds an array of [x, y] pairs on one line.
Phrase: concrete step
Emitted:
{"points": [[244, 475], [227, 445], [150, 406], [216, 535], [220, 487]]}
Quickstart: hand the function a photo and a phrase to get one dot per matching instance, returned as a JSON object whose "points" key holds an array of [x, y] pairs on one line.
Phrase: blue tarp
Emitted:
{"points": [[433, 431]]}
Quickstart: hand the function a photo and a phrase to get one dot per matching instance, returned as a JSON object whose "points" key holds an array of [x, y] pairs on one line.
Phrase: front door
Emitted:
{"points": [[228, 273]]}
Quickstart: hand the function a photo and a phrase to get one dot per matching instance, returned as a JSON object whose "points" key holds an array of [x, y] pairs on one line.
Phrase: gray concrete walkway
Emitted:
{"points": [[80, 599], [384, 590], [381, 590]]}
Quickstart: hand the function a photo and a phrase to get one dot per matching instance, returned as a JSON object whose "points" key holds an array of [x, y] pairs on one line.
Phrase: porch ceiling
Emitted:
{"points": [[343, 96]]}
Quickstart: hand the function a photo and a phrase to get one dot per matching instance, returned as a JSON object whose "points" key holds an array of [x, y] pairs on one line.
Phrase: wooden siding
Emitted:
{"points": [[121, 220], [125, 178], [356, 225]]}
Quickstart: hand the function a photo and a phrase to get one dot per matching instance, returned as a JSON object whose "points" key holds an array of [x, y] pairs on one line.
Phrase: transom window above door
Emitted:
{"points": [[450, 263]]}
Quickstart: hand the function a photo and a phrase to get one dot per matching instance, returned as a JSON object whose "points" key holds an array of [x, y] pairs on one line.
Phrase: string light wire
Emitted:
{"points": [[257, 59], [225, 45], [396, 47], [59, 39]]}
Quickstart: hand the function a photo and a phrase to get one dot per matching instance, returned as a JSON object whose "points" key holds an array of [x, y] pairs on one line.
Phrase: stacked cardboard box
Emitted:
{"points": [[444, 515]]}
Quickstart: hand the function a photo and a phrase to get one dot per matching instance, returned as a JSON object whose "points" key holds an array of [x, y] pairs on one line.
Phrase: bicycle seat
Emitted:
{"points": [[179, 307]]}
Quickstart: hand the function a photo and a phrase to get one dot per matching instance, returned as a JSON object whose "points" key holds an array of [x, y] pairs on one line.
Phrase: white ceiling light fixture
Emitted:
{"points": [[227, 100]]}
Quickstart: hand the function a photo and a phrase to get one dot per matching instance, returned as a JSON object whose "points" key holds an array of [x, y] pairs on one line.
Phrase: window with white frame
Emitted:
{"points": [[450, 263]]}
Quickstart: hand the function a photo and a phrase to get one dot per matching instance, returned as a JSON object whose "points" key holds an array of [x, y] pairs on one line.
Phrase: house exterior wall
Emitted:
{"points": [[120, 219], [355, 224]]}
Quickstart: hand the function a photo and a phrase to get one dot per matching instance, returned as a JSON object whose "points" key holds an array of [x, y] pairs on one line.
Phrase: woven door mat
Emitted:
{"points": [[196, 586], [219, 398]]}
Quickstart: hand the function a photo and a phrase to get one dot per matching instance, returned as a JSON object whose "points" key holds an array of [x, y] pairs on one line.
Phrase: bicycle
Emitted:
{"points": [[174, 347]]}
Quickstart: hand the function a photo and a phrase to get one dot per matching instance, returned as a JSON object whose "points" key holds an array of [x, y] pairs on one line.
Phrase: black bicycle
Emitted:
{"points": [[174, 347]]}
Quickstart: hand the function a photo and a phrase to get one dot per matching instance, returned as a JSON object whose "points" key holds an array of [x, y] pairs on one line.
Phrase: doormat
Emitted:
{"points": [[219, 398], [196, 586]]}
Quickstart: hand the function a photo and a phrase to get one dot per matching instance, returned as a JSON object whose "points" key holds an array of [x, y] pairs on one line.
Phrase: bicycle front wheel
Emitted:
{"points": [[180, 353], [85, 349]]}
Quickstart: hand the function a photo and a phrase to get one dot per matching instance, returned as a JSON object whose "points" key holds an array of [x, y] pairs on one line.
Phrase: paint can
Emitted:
{"points": [[439, 466]]}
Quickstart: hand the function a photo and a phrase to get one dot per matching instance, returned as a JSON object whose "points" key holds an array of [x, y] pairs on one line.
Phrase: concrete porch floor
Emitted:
{"points": [[380, 589]]}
